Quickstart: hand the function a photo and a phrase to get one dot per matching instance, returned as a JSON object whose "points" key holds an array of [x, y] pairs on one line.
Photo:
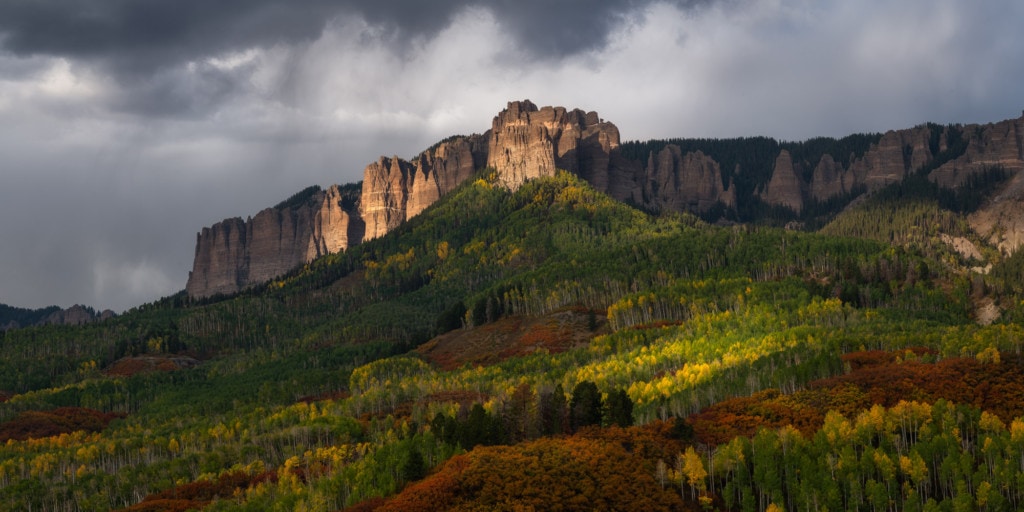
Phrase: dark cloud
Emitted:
{"points": [[178, 92], [146, 45], [141, 35]]}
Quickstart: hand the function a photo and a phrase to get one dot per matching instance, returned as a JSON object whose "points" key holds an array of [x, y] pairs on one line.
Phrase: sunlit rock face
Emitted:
{"points": [[234, 254], [394, 190]]}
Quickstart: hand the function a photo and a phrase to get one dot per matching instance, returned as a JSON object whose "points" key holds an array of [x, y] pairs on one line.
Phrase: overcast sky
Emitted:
{"points": [[128, 125]]}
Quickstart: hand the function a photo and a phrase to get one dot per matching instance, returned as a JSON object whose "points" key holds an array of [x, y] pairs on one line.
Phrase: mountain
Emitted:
{"points": [[524, 142], [523, 344]]}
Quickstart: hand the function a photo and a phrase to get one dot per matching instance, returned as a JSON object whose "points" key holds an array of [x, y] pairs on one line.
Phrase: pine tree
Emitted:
{"points": [[585, 406], [618, 409]]}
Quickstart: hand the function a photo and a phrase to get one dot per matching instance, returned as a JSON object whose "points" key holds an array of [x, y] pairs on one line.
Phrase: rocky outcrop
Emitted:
{"points": [[892, 158], [1000, 144], [901, 152], [829, 179], [520, 149], [439, 170], [785, 188], [16, 318], [334, 228], [395, 190], [235, 254], [76, 315], [678, 182], [219, 265], [1001, 219], [385, 194], [527, 142]]}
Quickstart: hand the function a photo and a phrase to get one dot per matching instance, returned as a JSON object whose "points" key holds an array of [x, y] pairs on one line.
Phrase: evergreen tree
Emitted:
{"points": [[585, 406], [618, 409], [415, 468], [480, 428], [451, 319], [553, 412]]}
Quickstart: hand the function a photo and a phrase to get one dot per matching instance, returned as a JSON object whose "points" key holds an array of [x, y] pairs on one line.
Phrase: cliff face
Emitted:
{"points": [[888, 161], [690, 182], [235, 254], [334, 229], [220, 263], [895, 155], [527, 142], [828, 179], [385, 194], [999, 144], [77, 315], [785, 187], [395, 190], [901, 152], [1001, 218]]}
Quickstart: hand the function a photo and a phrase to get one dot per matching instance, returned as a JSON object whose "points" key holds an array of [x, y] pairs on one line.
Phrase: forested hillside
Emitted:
{"points": [[12, 317], [613, 360]]}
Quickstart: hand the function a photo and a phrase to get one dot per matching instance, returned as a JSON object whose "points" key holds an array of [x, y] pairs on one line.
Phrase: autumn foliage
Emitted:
{"points": [[62, 420], [599, 469], [128, 366], [877, 377], [513, 336], [196, 495]]}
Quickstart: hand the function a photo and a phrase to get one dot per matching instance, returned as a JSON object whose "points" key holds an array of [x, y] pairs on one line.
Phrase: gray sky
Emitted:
{"points": [[128, 125]]}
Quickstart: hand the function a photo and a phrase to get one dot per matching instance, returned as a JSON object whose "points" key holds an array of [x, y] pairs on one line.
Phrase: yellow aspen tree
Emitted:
{"points": [[692, 468]]}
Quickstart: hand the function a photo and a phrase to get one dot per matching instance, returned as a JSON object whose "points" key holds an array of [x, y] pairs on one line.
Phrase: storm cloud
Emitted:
{"points": [[128, 125]]}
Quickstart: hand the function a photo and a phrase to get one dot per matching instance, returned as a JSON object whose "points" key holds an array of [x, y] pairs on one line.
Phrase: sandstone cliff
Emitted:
{"points": [[1001, 220], [235, 254], [77, 315], [678, 182], [990, 145], [395, 190], [527, 142], [334, 228], [829, 179], [892, 158], [785, 187], [900, 152], [896, 154]]}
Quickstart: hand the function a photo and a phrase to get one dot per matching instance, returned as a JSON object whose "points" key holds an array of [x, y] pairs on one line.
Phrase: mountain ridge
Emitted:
{"points": [[15, 318], [525, 142]]}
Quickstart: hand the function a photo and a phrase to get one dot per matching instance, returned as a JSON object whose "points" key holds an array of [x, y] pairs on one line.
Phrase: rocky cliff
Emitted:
{"points": [[77, 315], [785, 187], [234, 254], [989, 145], [684, 182], [395, 190], [900, 152], [529, 142], [526, 142]]}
